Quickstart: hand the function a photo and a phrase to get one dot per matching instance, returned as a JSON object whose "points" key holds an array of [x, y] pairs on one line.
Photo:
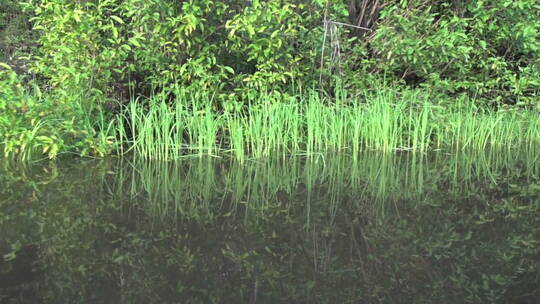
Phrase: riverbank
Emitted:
{"points": [[179, 124]]}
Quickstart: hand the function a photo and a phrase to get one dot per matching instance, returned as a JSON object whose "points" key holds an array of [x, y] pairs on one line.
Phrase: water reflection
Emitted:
{"points": [[374, 229]]}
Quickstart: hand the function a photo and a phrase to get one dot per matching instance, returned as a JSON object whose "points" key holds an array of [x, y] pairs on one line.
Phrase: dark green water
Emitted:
{"points": [[379, 229]]}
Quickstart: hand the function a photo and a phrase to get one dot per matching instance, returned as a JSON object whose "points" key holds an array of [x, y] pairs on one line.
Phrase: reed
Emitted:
{"points": [[387, 121]]}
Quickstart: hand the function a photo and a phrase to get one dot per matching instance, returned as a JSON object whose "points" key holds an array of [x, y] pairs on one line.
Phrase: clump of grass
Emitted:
{"points": [[478, 129], [157, 130], [387, 121]]}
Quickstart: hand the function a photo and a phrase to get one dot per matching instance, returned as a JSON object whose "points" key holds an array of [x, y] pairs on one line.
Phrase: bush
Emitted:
{"points": [[16, 38], [93, 56], [32, 123], [101, 47], [489, 49]]}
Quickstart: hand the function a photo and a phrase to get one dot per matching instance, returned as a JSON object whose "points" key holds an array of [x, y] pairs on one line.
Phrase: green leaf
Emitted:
{"points": [[117, 19]]}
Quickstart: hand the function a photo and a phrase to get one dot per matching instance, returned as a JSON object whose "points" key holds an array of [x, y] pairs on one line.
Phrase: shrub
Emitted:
{"points": [[16, 38], [100, 47], [32, 123], [489, 49]]}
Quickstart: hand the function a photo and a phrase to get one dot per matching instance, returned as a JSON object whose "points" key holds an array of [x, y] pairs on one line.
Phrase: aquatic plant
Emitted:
{"points": [[388, 120]]}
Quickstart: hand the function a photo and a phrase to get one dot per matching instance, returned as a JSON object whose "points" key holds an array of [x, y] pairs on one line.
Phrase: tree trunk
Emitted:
{"points": [[364, 13]]}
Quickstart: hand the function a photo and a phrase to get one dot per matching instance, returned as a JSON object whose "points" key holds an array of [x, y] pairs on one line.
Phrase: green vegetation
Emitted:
{"points": [[307, 124], [309, 121], [17, 40], [35, 123], [171, 78]]}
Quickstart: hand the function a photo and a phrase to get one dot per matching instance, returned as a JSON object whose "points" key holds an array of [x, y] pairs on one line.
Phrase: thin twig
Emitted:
{"points": [[350, 25]]}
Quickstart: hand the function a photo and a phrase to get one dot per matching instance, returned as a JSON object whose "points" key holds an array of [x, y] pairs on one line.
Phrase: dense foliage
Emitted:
{"points": [[98, 54], [17, 40], [488, 48]]}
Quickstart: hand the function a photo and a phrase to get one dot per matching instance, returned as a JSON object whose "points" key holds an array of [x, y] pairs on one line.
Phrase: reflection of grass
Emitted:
{"points": [[387, 121], [78, 219], [369, 183]]}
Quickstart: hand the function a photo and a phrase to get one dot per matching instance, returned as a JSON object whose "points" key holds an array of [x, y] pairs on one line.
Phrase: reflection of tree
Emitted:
{"points": [[19, 270], [289, 231]]}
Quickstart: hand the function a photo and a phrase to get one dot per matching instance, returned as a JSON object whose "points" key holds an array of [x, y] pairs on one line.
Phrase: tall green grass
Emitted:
{"points": [[387, 121]]}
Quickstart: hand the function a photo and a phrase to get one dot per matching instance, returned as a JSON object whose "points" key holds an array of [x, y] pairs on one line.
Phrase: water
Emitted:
{"points": [[377, 229]]}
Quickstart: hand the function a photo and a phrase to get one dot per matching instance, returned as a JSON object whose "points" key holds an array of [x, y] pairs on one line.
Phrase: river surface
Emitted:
{"points": [[377, 228]]}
